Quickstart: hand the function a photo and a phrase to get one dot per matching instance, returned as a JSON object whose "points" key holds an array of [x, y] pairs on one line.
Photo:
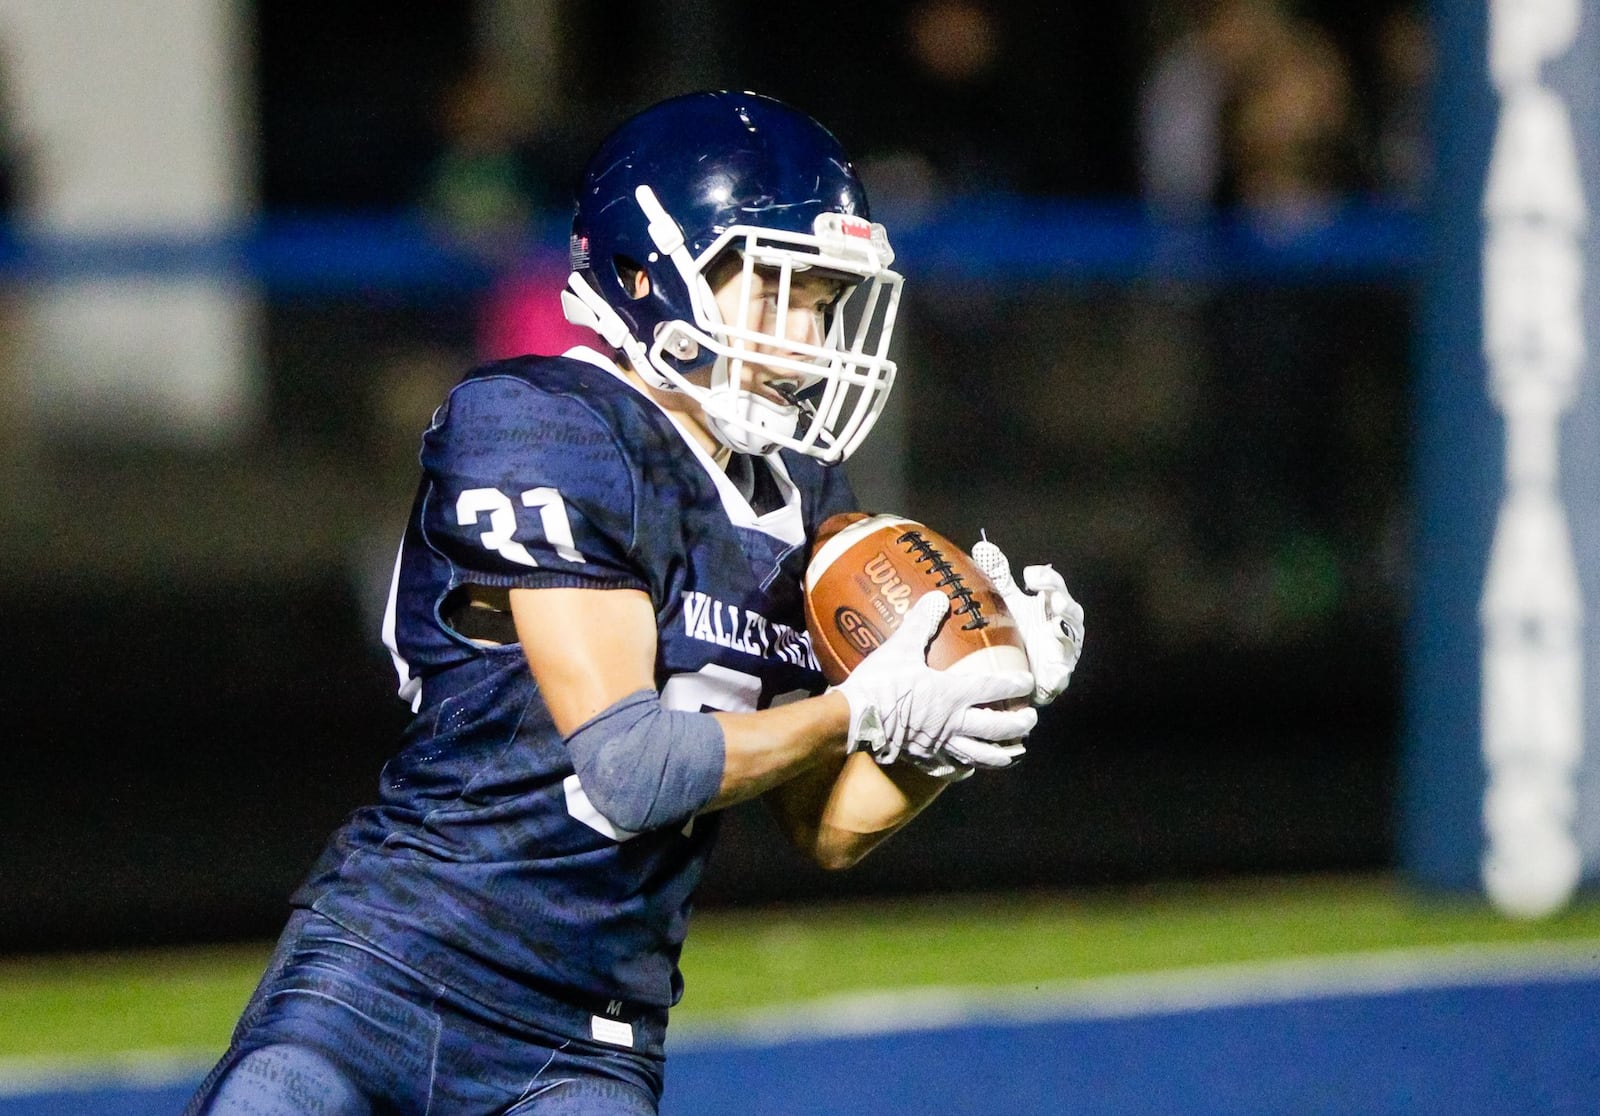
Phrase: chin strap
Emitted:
{"points": [[758, 420]]}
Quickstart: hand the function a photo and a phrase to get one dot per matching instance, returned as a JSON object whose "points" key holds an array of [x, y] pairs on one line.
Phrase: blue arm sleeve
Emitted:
{"points": [[645, 767]]}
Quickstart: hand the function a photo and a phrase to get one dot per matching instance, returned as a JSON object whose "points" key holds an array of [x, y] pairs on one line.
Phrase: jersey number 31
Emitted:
{"points": [[500, 535]]}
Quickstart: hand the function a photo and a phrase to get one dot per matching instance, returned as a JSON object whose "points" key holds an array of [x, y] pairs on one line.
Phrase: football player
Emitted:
{"points": [[596, 616]]}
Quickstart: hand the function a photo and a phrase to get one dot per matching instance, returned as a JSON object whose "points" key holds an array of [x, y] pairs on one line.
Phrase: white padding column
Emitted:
{"points": [[136, 117]]}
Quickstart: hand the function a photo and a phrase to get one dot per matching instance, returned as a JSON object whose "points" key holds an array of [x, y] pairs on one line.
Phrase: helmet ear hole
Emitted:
{"points": [[632, 275]]}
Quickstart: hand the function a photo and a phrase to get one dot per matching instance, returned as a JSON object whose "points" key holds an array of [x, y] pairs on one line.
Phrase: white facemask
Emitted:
{"points": [[843, 367]]}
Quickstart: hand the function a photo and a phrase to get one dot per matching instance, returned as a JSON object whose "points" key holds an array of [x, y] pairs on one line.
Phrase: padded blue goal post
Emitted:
{"points": [[1501, 779]]}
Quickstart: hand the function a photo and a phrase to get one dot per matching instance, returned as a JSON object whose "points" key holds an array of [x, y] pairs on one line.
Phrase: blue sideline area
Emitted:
{"points": [[1489, 1049]]}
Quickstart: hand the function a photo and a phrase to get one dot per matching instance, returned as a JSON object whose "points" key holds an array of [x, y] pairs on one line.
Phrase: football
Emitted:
{"points": [[866, 571]]}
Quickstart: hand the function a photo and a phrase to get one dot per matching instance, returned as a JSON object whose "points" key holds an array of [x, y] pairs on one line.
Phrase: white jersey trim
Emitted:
{"points": [[410, 687], [786, 524]]}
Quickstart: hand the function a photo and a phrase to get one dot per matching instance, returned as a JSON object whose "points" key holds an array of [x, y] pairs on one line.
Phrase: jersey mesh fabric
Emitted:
{"points": [[481, 864]]}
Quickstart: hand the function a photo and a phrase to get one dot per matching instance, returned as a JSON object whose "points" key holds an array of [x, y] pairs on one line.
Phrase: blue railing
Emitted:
{"points": [[1123, 243], [985, 240]]}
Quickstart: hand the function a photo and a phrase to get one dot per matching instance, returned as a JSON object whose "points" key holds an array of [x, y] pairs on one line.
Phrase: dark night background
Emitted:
{"points": [[199, 696]]}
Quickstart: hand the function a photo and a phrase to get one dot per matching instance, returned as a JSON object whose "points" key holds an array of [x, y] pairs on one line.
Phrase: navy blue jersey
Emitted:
{"points": [[482, 865]]}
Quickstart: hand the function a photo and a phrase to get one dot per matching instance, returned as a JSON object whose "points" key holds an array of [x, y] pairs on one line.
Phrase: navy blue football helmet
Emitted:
{"points": [[743, 190]]}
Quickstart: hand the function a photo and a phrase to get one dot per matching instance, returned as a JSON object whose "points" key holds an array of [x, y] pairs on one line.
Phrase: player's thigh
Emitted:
{"points": [[586, 1096], [342, 1048], [284, 1080], [335, 1019]]}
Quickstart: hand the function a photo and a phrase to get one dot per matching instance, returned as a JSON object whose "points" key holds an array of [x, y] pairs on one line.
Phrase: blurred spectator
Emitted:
{"points": [[945, 143], [1251, 106], [1252, 114], [483, 188], [487, 190], [1184, 98], [1280, 354], [1289, 155], [1405, 60]]}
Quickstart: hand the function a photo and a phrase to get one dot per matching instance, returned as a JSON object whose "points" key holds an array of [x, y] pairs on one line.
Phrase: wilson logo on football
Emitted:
{"points": [[857, 629], [882, 572]]}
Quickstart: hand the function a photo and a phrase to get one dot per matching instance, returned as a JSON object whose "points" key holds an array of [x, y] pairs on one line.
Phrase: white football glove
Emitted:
{"points": [[1050, 620], [901, 708]]}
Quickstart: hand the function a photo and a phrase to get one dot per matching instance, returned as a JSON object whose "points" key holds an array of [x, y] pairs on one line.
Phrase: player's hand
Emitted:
{"points": [[1050, 620], [903, 709]]}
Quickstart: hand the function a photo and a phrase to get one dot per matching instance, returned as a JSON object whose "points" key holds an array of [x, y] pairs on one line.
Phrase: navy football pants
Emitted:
{"points": [[338, 1030]]}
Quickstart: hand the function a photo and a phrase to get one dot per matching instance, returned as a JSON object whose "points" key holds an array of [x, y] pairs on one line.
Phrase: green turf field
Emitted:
{"points": [[186, 1000]]}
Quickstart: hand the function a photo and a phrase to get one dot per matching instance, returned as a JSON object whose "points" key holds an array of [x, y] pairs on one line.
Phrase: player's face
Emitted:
{"points": [[752, 308], [755, 305]]}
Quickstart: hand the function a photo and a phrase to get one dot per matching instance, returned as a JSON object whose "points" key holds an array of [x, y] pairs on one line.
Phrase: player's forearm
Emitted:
{"points": [[867, 804], [765, 749], [837, 813]]}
